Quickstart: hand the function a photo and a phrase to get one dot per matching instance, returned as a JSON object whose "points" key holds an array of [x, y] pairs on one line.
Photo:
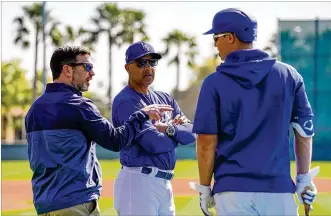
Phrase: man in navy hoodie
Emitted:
{"points": [[63, 128], [244, 113], [143, 185]]}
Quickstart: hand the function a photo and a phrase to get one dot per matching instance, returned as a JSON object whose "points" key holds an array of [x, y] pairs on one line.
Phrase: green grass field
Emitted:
{"points": [[185, 205]]}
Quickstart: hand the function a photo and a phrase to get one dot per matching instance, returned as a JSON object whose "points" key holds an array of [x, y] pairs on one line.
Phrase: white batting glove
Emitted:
{"points": [[206, 199], [305, 187]]}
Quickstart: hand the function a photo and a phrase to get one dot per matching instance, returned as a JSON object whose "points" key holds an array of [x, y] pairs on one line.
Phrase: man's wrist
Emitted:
{"points": [[203, 189], [171, 130], [204, 183]]}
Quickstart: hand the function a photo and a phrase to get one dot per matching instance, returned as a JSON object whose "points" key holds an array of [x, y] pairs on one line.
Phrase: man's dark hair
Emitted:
{"points": [[64, 55]]}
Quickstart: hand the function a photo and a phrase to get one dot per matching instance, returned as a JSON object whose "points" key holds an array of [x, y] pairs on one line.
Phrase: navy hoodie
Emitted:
{"points": [[249, 102]]}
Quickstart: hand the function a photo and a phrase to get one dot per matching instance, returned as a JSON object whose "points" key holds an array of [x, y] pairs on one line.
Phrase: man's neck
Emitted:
{"points": [[244, 46], [62, 81], [138, 88]]}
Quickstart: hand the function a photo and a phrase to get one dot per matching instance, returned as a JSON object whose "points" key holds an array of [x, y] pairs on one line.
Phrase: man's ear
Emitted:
{"points": [[67, 70], [232, 38], [127, 68]]}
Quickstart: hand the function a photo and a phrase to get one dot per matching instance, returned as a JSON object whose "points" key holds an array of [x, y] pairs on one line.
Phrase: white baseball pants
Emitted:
{"points": [[140, 194], [255, 204]]}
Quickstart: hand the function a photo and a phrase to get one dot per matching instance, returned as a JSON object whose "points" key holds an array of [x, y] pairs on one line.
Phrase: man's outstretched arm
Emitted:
{"points": [[101, 131]]}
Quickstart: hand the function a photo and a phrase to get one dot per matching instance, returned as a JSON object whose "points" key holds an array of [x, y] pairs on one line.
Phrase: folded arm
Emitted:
{"points": [[184, 134], [149, 137], [154, 141]]}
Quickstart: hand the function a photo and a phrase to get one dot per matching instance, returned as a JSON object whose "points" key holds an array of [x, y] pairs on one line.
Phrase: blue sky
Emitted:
{"points": [[194, 18]]}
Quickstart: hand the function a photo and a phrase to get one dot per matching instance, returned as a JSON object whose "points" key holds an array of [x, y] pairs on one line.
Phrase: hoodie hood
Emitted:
{"points": [[247, 67]]}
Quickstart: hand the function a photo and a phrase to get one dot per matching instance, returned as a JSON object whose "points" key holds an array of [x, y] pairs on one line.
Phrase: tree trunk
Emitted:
{"points": [[35, 76], [10, 134], [109, 92], [176, 93]]}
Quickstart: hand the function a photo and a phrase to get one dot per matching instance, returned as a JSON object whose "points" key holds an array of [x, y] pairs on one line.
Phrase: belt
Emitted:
{"points": [[159, 174]]}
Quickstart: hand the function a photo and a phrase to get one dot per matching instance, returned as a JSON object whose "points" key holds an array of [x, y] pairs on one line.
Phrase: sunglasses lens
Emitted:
{"points": [[153, 62], [141, 63], [88, 67]]}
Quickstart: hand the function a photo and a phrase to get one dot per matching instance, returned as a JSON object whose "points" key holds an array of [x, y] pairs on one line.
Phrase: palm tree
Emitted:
{"points": [[33, 14], [181, 42], [120, 25]]}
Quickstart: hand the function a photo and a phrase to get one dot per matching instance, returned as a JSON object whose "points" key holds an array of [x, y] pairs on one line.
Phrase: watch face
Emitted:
{"points": [[171, 130]]}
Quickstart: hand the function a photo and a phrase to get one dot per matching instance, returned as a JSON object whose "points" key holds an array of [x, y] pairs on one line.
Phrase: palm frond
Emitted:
{"points": [[19, 20], [174, 61], [18, 39], [56, 37], [82, 31], [70, 33]]}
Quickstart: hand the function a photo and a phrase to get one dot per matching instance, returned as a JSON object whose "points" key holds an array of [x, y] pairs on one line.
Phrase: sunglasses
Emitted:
{"points": [[141, 63], [216, 36], [88, 66]]}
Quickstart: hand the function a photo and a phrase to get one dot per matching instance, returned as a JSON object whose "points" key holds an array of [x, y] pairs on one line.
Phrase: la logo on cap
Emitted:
{"points": [[145, 47]]}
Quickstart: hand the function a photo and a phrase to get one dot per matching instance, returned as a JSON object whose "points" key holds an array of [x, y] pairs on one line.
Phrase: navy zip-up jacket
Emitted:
{"points": [[62, 131], [150, 147], [250, 102]]}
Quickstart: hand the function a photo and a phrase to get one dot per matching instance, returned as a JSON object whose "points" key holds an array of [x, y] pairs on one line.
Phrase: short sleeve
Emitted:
{"points": [[206, 120], [302, 114]]}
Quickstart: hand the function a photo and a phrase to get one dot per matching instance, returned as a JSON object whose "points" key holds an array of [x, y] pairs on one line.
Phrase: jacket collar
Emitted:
{"points": [[54, 87]]}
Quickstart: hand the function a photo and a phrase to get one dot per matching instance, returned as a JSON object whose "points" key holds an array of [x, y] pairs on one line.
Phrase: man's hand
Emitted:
{"points": [[305, 187], [178, 120], [161, 127], [154, 111], [206, 199]]}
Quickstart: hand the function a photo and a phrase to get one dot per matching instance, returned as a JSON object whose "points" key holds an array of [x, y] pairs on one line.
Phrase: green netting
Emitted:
{"points": [[306, 45]]}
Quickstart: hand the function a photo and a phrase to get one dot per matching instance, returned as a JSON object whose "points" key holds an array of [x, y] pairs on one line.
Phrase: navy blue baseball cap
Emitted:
{"points": [[234, 21], [140, 49]]}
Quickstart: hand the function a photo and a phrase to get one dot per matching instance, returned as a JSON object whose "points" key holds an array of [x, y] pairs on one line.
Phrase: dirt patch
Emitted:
{"points": [[17, 194]]}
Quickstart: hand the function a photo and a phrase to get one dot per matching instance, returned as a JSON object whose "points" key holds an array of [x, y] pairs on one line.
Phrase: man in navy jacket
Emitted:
{"points": [[63, 128], [143, 185], [242, 120]]}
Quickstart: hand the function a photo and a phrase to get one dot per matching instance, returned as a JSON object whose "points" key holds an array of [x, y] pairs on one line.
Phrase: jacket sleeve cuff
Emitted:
{"points": [[140, 115]]}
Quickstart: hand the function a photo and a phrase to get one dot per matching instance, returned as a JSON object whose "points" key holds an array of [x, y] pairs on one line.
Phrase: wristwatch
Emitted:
{"points": [[171, 130]]}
